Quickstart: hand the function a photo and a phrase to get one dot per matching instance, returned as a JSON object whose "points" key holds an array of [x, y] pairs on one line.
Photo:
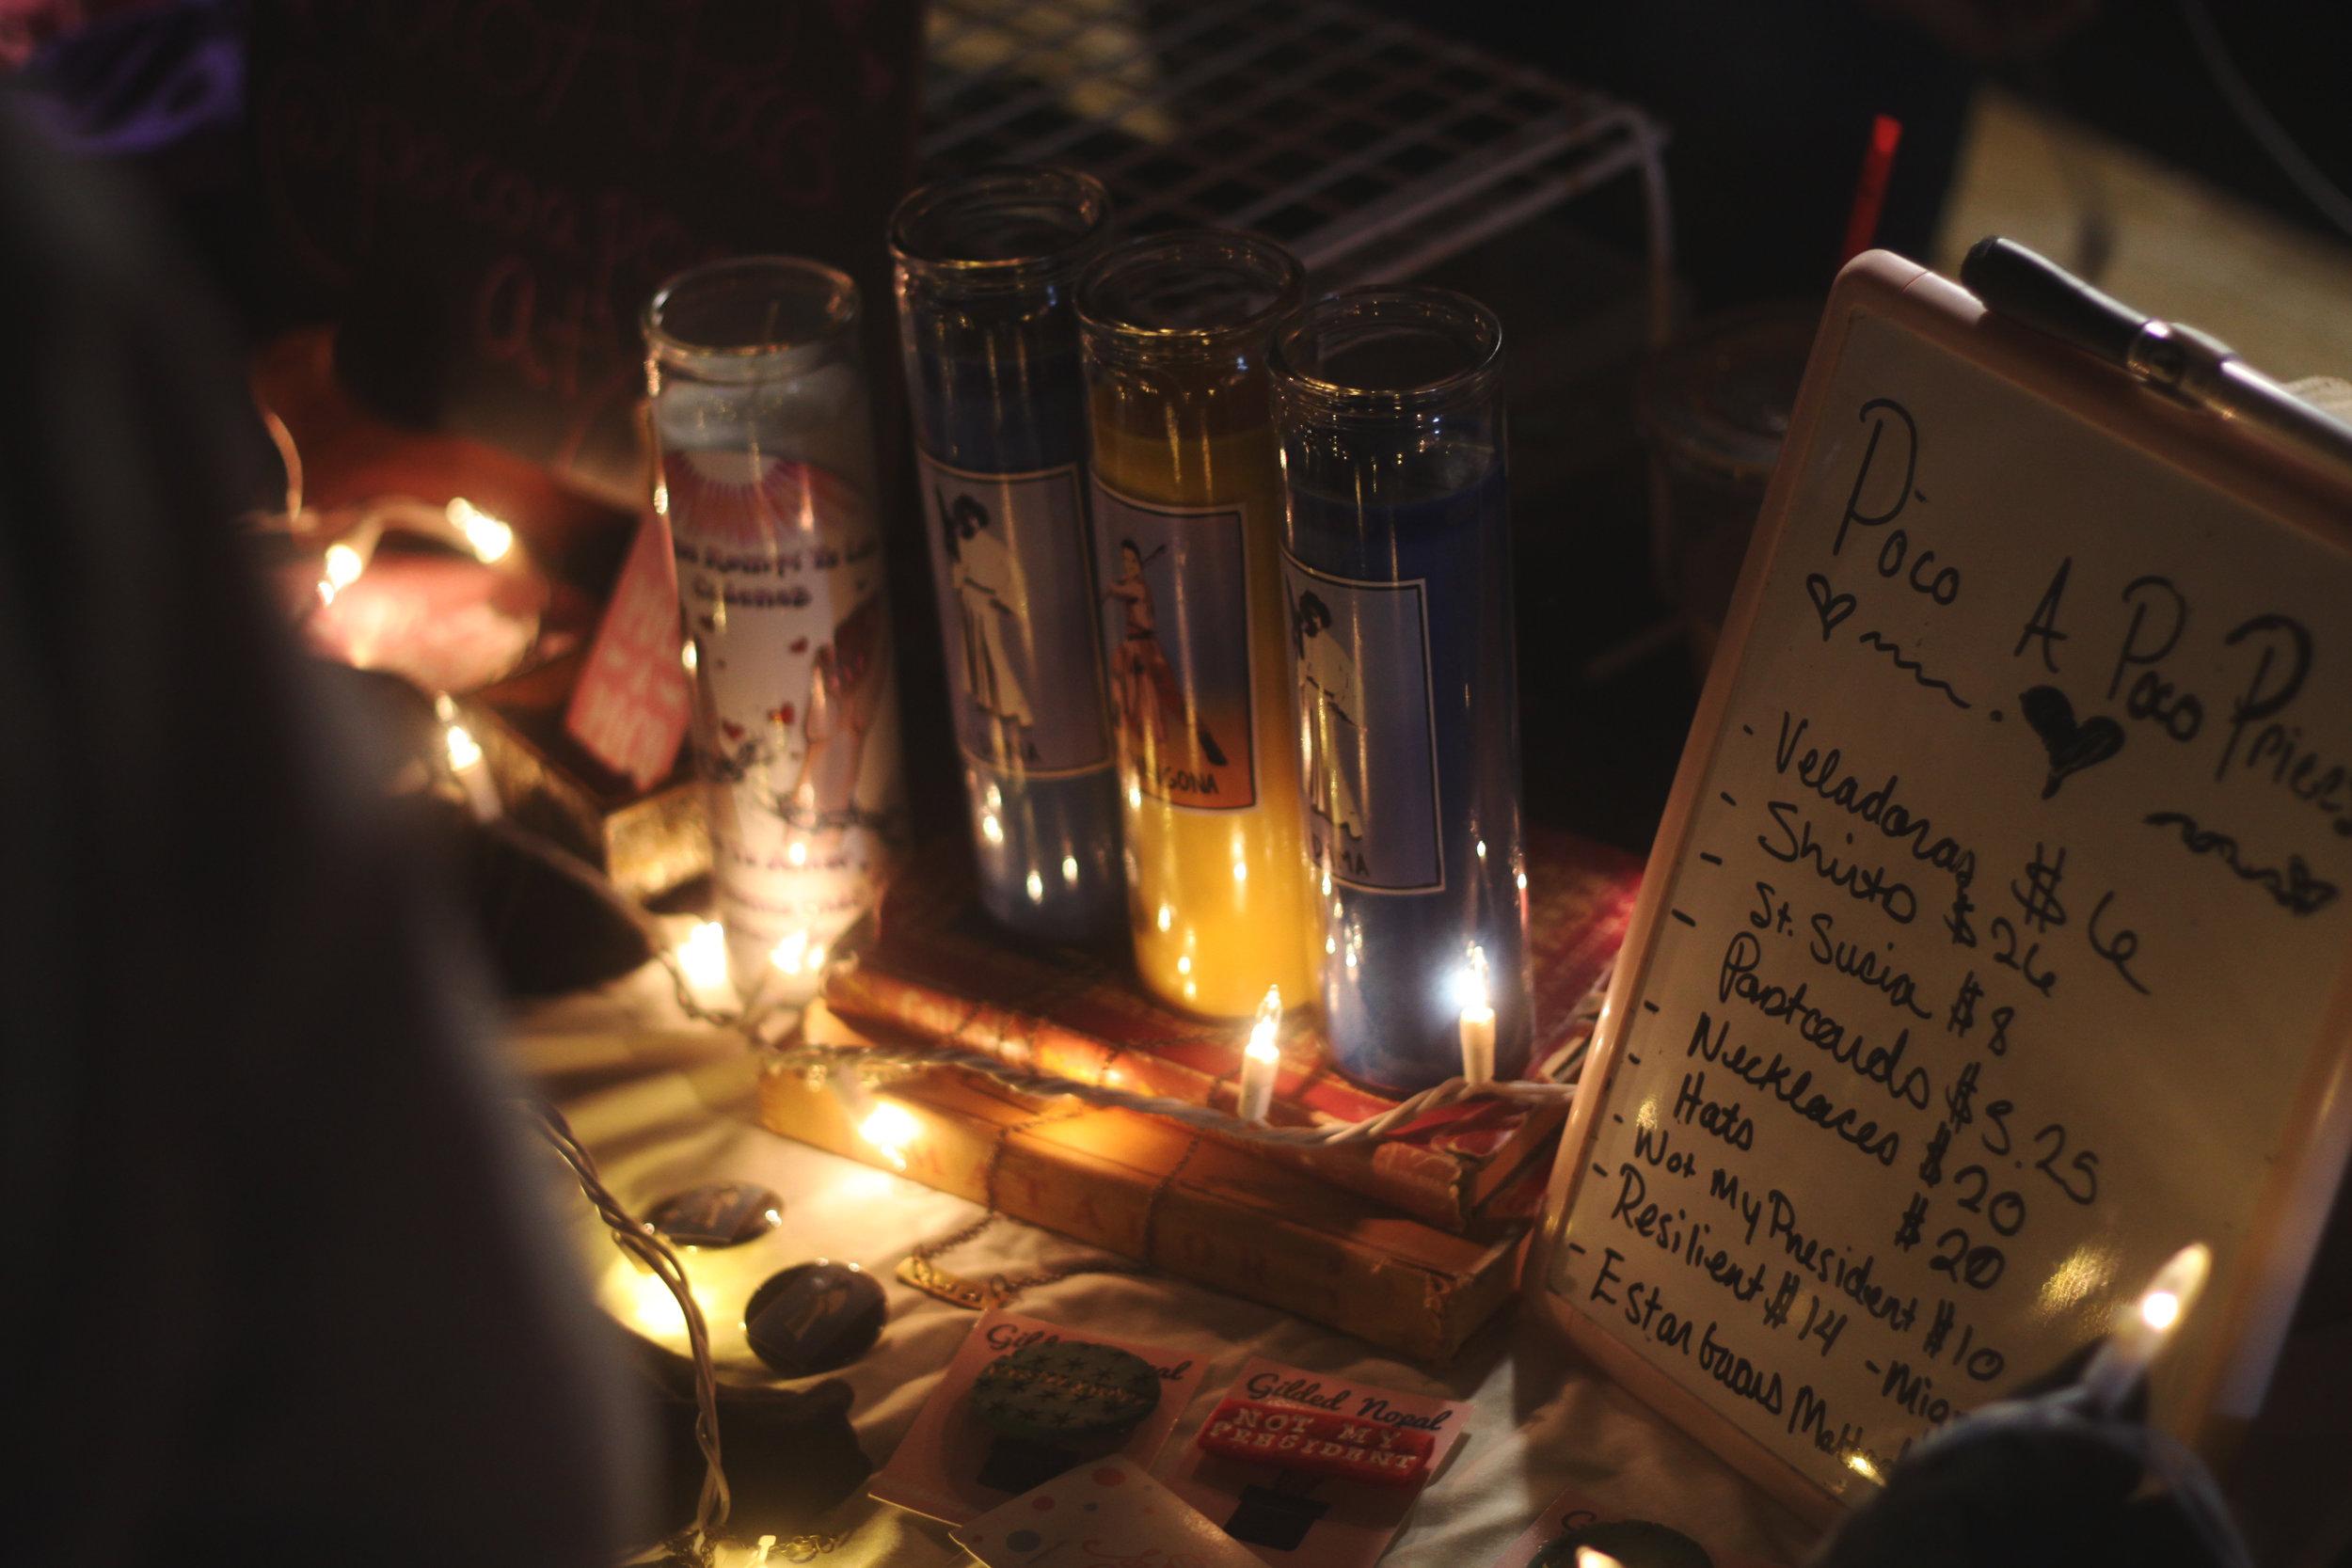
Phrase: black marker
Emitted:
{"points": [[2190, 365]]}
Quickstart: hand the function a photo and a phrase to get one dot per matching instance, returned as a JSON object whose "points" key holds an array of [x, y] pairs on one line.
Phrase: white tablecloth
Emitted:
{"points": [[665, 1107]]}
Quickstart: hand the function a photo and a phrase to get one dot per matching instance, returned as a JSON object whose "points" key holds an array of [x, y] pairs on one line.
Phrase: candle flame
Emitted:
{"points": [[464, 749]]}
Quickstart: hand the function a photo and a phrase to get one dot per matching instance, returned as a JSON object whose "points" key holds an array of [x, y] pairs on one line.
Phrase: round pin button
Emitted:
{"points": [[1066, 1390], [815, 1317], [719, 1214]]}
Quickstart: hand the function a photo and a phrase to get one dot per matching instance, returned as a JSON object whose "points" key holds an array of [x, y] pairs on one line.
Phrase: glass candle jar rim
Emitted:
{"points": [[1455, 318], [1043, 185], [1274, 267], [836, 293]]}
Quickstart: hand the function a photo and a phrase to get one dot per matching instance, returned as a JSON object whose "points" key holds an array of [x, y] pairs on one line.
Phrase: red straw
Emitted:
{"points": [[1869, 189]]}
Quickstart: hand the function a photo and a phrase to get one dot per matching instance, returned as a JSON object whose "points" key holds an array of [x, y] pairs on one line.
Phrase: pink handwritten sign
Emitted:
{"points": [[631, 706]]}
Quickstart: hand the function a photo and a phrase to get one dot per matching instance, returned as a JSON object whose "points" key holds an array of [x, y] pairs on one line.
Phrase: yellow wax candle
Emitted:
{"points": [[1188, 522]]}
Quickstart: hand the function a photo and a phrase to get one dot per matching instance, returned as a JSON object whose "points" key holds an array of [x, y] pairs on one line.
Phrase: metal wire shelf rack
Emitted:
{"points": [[1371, 148]]}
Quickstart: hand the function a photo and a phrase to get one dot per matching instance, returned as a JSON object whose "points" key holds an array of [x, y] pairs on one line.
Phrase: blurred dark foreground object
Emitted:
{"points": [[281, 1290], [2044, 1479]]}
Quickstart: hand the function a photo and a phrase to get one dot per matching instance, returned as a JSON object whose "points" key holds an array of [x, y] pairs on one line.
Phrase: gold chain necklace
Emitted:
{"points": [[919, 1269]]}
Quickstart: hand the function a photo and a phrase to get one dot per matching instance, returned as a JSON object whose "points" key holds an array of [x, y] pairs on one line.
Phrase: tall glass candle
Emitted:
{"points": [[767, 483], [1187, 537], [1397, 571], [986, 266]]}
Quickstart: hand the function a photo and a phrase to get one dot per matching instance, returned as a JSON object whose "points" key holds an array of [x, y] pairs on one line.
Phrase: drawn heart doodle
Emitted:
{"points": [[735, 731], [1831, 607], [782, 715], [2072, 747]]}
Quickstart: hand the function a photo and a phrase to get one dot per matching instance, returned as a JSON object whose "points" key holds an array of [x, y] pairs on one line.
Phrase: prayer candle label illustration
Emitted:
{"points": [[1022, 674], [1176, 627], [780, 587], [1368, 733]]}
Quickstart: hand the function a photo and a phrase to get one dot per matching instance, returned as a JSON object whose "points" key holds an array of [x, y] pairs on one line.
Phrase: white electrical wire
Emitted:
{"points": [[644, 1243], [876, 1063]]}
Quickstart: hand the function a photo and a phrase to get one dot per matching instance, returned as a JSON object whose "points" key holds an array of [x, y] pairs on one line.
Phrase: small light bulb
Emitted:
{"points": [[1522, 882], [489, 538], [690, 656], [891, 1128], [342, 565], [654, 1308], [991, 829], [1135, 796], [1482, 849], [1183, 963], [1475, 996], [1037, 888], [1070, 869], [704, 956], [1241, 871], [1165, 918], [1267, 1023]]}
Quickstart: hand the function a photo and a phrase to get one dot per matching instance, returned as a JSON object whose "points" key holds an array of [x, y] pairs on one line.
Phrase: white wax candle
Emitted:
{"points": [[1260, 1060]]}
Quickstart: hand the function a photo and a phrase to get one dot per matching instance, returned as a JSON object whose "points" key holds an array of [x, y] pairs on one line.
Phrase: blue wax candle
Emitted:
{"points": [[1398, 580], [986, 266]]}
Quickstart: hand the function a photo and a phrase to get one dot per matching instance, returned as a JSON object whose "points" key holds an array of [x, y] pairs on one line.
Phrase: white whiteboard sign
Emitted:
{"points": [[1992, 952]]}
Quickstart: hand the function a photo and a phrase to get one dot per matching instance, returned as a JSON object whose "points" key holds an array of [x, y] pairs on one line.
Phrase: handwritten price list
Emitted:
{"points": [[1997, 946]]}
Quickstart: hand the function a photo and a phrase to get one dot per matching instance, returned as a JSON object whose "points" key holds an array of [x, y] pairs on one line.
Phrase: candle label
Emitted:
{"points": [[1368, 740], [1007, 551], [1176, 630], [780, 587]]}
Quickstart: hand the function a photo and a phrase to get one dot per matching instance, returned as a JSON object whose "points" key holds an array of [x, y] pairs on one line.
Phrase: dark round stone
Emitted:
{"points": [[1635, 1543], [815, 1317], [719, 1214], [1066, 1391]]}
